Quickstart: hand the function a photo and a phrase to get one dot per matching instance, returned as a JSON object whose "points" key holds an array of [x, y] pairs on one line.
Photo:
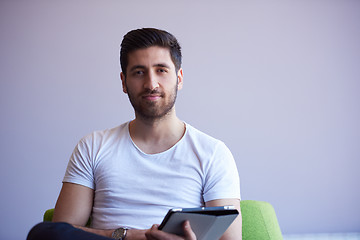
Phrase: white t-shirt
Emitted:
{"points": [[135, 190]]}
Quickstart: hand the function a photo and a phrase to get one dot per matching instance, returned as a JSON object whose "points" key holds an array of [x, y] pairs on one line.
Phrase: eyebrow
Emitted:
{"points": [[137, 67], [155, 65], [162, 65]]}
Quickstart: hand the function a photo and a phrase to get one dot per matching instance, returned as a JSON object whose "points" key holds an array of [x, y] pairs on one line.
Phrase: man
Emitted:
{"points": [[128, 177]]}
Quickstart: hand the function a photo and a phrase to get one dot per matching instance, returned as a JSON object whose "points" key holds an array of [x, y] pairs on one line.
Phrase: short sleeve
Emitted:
{"points": [[222, 178], [80, 167]]}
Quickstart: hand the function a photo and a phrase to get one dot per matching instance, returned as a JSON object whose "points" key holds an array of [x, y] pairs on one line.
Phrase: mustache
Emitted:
{"points": [[152, 92]]}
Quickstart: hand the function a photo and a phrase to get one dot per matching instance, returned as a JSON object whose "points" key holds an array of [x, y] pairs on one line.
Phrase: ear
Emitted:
{"points": [[180, 77], [122, 76]]}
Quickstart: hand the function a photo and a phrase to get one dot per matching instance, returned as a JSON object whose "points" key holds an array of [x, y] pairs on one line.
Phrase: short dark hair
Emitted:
{"points": [[148, 37]]}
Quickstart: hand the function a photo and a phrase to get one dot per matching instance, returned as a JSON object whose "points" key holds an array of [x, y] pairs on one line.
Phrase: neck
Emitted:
{"points": [[156, 135]]}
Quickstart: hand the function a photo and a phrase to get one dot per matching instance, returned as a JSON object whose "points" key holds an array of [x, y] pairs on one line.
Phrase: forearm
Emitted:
{"points": [[102, 232], [132, 234]]}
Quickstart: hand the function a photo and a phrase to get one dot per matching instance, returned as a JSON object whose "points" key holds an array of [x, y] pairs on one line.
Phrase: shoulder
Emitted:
{"points": [[196, 133], [203, 140], [100, 137]]}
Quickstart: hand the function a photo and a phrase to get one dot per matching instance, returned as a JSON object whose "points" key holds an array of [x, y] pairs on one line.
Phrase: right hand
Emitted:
{"points": [[155, 234]]}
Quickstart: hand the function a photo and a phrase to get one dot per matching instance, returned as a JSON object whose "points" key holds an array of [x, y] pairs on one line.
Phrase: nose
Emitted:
{"points": [[151, 81]]}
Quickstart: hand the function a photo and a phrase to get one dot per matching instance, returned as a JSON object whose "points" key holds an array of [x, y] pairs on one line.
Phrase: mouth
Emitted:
{"points": [[151, 97]]}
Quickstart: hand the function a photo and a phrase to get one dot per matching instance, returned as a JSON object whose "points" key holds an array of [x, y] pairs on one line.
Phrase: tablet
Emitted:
{"points": [[208, 223]]}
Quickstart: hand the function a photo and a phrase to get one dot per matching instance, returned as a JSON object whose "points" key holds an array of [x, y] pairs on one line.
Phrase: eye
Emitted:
{"points": [[138, 73], [162, 70]]}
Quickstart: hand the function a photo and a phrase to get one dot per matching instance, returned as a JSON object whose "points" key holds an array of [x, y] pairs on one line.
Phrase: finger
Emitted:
{"points": [[155, 234], [150, 232], [155, 226], [188, 232]]}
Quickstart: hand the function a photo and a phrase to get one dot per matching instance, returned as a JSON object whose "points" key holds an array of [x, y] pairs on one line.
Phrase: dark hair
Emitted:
{"points": [[148, 37]]}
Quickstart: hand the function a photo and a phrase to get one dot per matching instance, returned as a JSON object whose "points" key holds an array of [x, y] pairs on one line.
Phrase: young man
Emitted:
{"points": [[128, 177]]}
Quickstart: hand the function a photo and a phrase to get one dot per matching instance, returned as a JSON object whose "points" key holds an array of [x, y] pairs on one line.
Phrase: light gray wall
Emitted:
{"points": [[277, 81]]}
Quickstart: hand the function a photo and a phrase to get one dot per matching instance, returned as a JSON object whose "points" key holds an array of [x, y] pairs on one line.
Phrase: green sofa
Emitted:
{"points": [[259, 221]]}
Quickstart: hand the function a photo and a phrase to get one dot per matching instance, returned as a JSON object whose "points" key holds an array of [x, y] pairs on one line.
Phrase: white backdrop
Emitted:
{"points": [[277, 81]]}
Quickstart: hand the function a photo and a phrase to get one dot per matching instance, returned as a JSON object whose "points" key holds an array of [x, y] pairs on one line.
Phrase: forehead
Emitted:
{"points": [[150, 56]]}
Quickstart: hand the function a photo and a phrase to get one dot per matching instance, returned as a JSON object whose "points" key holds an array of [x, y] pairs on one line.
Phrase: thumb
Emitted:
{"points": [[188, 232]]}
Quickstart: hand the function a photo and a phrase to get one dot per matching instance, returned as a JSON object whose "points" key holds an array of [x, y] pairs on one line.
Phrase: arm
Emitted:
{"points": [[234, 232], [74, 206]]}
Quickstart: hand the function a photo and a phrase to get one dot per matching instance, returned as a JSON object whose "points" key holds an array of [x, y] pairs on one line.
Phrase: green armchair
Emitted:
{"points": [[259, 221]]}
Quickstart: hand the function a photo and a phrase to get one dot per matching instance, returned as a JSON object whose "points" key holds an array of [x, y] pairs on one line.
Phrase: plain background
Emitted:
{"points": [[277, 81]]}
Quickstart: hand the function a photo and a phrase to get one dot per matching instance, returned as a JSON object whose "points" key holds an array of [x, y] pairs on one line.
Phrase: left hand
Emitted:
{"points": [[155, 234]]}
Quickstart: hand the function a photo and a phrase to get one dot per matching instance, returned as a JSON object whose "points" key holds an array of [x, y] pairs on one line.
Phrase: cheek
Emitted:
{"points": [[130, 86]]}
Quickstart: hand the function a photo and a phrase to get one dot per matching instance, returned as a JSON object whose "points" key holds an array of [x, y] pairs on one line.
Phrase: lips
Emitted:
{"points": [[151, 97]]}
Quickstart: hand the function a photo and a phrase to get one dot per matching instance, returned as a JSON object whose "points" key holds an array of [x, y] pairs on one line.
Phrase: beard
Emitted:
{"points": [[153, 110]]}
